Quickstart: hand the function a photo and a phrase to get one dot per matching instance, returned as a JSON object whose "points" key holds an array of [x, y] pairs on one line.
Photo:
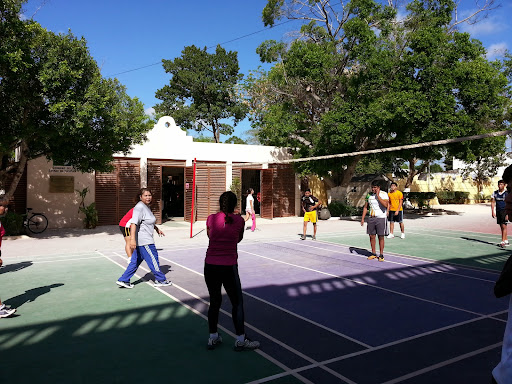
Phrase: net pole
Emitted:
{"points": [[193, 197]]}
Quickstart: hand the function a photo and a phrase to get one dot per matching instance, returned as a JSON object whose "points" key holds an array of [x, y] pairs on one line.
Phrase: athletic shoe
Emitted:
{"points": [[214, 342], [381, 258], [124, 284], [7, 312], [503, 244], [314, 237], [246, 345], [164, 283], [390, 236], [303, 237], [402, 236], [506, 243], [372, 256]]}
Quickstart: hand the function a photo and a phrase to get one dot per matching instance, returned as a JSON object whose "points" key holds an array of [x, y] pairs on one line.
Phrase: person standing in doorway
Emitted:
{"points": [[498, 211], [377, 202], [396, 210], [142, 243], [225, 230], [249, 208], [309, 206]]}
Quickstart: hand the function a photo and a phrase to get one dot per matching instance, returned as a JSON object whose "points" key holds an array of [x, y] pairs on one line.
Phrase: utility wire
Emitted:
{"points": [[210, 47]]}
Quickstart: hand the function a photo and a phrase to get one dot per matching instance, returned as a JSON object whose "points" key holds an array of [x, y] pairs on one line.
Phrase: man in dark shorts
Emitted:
{"points": [[309, 205], [500, 214], [377, 204]]}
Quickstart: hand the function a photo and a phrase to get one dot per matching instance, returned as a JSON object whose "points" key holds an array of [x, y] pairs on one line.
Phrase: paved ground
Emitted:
{"points": [[476, 218]]}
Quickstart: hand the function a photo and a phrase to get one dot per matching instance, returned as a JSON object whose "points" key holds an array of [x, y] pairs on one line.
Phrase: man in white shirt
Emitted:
{"points": [[377, 204]]}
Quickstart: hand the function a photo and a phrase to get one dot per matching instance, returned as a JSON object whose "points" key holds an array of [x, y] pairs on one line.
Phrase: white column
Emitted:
{"points": [[229, 174], [143, 172]]}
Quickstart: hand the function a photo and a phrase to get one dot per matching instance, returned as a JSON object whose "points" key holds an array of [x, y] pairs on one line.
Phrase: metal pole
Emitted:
{"points": [[193, 197]]}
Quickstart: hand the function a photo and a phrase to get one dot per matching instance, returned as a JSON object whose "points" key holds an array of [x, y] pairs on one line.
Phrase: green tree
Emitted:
{"points": [[357, 78], [201, 94], [55, 103]]}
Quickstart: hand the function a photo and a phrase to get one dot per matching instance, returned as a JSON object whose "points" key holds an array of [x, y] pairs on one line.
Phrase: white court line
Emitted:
{"points": [[60, 261], [410, 257], [458, 238], [396, 342], [432, 269], [263, 354], [443, 364], [367, 284], [281, 309], [465, 232]]}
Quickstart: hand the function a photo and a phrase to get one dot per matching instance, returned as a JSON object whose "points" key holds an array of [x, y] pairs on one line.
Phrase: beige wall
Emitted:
{"points": [[61, 209]]}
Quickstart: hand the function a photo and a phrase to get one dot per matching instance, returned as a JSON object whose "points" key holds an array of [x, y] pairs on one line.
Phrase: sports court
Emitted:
{"points": [[322, 312]]}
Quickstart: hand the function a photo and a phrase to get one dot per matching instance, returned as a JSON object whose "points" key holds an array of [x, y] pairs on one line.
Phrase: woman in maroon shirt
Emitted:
{"points": [[225, 230]]}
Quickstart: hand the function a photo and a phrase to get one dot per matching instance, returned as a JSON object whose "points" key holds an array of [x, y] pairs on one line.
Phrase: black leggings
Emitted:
{"points": [[215, 277]]}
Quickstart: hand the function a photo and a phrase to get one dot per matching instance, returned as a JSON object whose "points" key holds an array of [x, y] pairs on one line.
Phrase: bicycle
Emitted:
{"points": [[36, 223]]}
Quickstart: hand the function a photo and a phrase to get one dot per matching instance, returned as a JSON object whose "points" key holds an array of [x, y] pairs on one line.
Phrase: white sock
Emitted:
{"points": [[241, 338], [214, 335]]}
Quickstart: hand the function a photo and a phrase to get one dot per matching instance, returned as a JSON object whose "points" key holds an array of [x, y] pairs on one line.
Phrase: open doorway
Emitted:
{"points": [[173, 192], [251, 179]]}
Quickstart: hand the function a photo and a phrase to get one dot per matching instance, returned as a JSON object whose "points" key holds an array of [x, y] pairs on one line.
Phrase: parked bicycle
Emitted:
{"points": [[35, 222]]}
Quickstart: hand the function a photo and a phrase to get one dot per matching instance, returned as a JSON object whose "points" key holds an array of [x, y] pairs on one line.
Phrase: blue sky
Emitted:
{"points": [[124, 35]]}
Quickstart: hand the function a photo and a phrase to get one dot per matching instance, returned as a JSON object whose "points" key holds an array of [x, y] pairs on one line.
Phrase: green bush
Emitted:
{"points": [[421, 198], [13, 224], [339, 208], [452, 197]]}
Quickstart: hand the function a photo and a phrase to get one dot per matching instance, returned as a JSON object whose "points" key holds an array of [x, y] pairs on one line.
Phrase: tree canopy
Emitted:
{"points": [[55, 103], [357, 78], [201, 93]]}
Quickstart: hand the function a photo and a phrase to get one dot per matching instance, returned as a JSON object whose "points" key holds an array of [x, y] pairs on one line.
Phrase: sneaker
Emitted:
{"points": [[390, 236], [164, 283], [314, 237], [246, 345], [381, 258], [212, 343], [372, 256], [303, 237], [505, 243], [124, 284], [6, 312], [402, 236]]}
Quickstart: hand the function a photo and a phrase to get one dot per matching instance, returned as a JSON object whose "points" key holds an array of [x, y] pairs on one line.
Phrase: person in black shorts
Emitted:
{"points": [[500, 214]]}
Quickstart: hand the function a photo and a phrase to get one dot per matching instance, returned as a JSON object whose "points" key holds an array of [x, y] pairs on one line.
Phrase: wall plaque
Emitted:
{"points": [[62, 184]]}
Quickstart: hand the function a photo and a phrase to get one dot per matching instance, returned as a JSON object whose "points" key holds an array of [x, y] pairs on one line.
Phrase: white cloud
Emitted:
{"points": [[496, 50], [150, 111]]}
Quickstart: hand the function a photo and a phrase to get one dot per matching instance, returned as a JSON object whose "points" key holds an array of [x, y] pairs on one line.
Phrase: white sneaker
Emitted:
{"points": [[165, 283], [390, 236], [402, 236], [124, 284]]}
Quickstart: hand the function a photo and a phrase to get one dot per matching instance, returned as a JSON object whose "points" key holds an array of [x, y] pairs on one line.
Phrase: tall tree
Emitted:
{"points": [[357, 78], [201, 94], [55, 103]]}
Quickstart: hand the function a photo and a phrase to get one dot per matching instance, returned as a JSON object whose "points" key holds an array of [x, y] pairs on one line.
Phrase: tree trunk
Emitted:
{"points": [[19, 172], [411, 174]]}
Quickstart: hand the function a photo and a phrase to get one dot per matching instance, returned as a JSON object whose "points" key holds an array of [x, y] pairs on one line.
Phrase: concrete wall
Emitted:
{"points": [[61, 209]]}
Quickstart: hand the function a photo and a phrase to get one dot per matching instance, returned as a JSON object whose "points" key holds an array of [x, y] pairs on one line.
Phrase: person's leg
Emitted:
{"points": [[132, 267], [391, 227], [247, 215], [304, 229], [372, 243], [150, 255], [233, 287], [402, 227], [127, 248], [381, 244], [503, 232], [213, 280], [253, 216], [314, 230]]}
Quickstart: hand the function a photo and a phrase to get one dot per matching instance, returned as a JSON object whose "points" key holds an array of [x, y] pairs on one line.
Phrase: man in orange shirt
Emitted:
{"points": [[396, 210]]}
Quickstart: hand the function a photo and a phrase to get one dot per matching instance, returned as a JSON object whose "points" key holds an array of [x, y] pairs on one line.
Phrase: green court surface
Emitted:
{"points": [[74, 325], [466, 248]]}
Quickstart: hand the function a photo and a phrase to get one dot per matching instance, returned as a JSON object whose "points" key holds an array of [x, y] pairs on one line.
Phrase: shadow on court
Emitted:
{"points": [[15, 267], [31, 295]]}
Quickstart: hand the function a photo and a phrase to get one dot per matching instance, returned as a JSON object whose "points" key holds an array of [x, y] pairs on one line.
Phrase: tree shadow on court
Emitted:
{"points": [[15, 267], [31, 295]]}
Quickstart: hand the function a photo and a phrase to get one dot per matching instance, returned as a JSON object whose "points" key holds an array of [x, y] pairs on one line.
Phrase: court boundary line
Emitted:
{"points": [[399, 263], [196, 312], [468, 267], [368, 284], [281, 309]]}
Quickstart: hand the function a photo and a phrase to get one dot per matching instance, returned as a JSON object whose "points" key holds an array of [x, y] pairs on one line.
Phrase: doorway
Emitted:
{"points": [[173, 192], [251, 179]]}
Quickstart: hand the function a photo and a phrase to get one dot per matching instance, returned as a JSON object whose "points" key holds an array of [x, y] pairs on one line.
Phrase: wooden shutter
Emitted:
{"points": [[283, 191], [116, 192], [211, 183], [266, 208]]}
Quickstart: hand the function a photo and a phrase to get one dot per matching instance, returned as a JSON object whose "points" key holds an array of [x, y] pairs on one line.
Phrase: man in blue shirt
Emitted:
{"points": [[500, 214]]}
